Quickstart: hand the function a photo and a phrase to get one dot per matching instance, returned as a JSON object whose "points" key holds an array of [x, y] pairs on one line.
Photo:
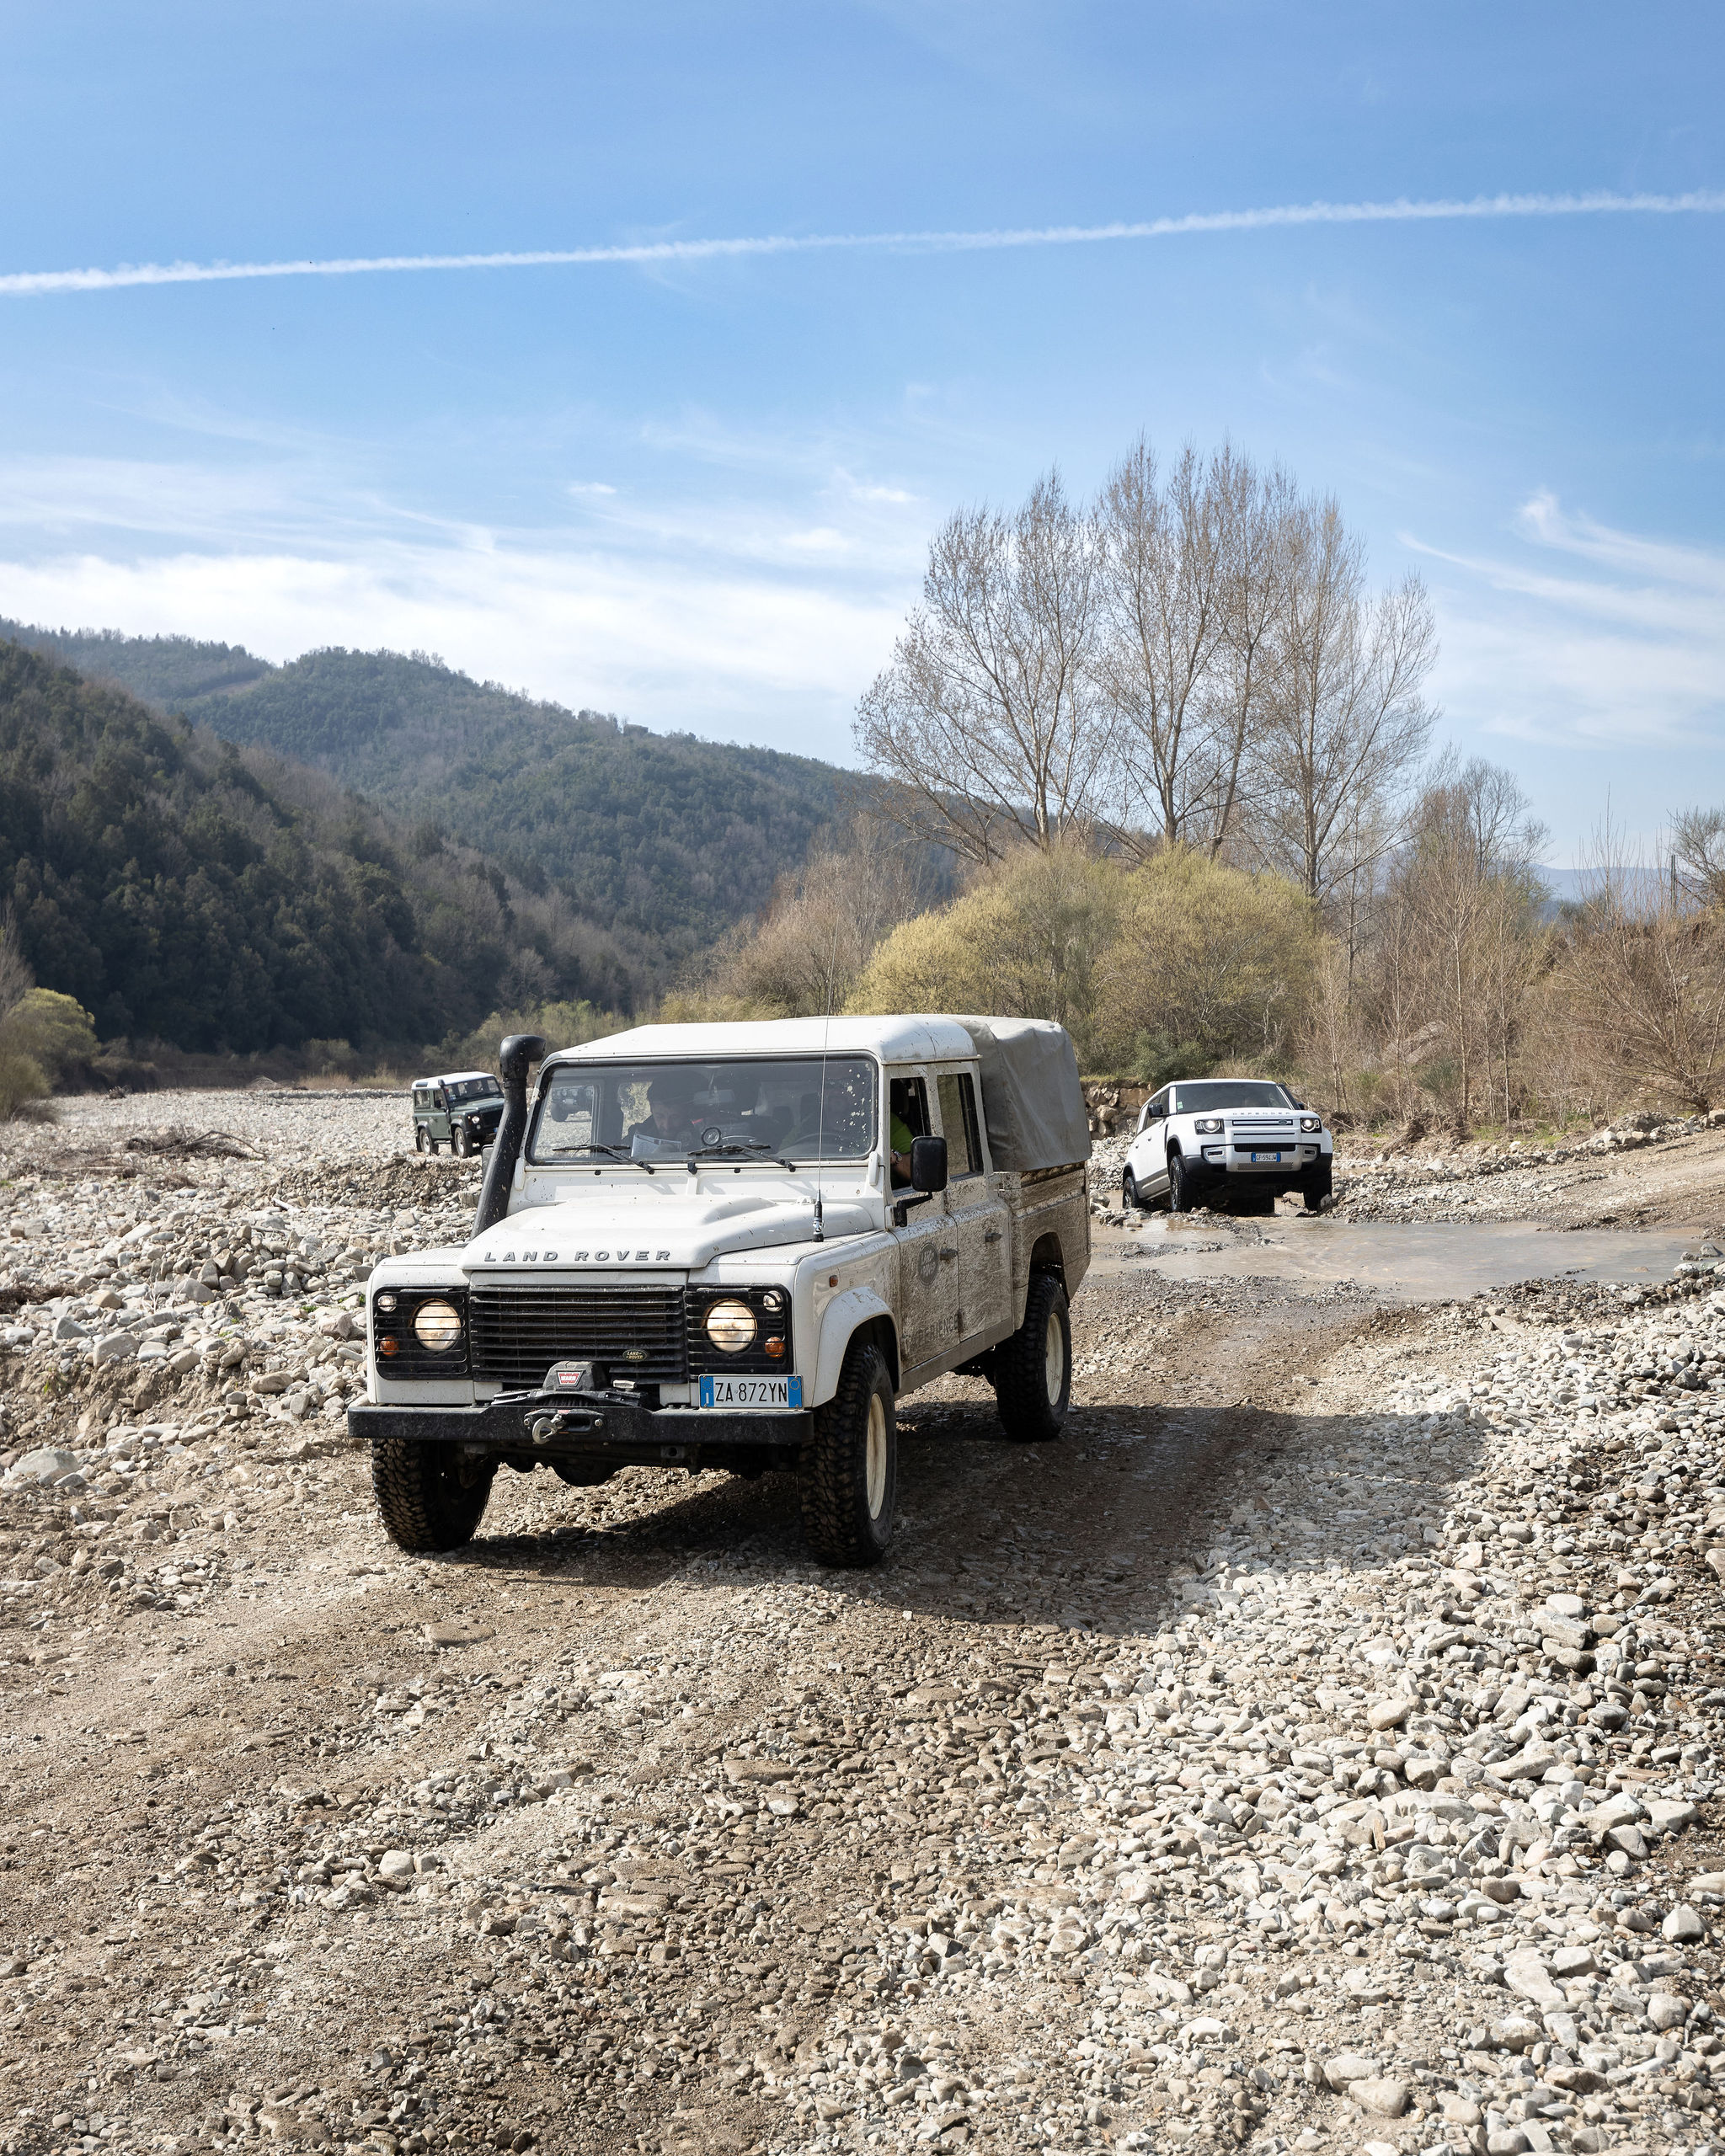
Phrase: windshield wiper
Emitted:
{"points": [[610, 1152], [751, 1148]]}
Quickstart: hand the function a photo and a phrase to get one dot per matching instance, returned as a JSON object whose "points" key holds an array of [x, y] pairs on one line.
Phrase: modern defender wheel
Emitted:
{"points": [[422, 1143], [1130, 1201], [1314, 1187], [1179, 1185], [431, 1496], [1033, 1370], [849, 1467]]}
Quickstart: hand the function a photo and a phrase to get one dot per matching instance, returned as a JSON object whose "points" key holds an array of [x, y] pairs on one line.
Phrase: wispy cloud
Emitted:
{"points": [[26, 284], [1588, 637], [748, 621]]}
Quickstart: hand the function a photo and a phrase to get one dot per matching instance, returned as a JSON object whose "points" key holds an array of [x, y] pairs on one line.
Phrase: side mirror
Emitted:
{"points": [[928, 1165]]}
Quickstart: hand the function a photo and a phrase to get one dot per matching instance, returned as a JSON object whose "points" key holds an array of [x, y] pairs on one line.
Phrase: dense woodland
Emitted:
{"points": [[185, 889], [664, 839]]}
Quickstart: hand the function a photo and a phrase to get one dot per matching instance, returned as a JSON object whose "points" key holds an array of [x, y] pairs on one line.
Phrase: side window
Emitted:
{"points": [[958, 1120], [1158, 1107], [907, 1117]]}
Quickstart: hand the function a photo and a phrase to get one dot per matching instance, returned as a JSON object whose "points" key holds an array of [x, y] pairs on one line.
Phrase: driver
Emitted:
{"points": [[672, 1118]]}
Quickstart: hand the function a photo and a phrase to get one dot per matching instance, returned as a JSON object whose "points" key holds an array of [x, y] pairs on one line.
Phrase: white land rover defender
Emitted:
{"points": [[1226, 1141], [736, 1246]]}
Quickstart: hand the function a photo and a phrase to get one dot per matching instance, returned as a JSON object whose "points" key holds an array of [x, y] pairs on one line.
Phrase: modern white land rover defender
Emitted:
{"points": [[736, 1246], [1236, 1142]]}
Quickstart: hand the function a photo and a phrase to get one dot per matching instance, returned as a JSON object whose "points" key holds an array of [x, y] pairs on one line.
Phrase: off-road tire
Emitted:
{"points": [[422, 1142], [1179, 1184], [461, 1145], [1130, 1201], [1033, 1367], [1314, 1187], [430, 1496], [849, 1469]]}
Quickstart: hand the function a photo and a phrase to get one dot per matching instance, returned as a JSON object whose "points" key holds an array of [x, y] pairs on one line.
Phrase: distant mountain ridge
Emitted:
{"points": [[223, 899], [663, 838]]}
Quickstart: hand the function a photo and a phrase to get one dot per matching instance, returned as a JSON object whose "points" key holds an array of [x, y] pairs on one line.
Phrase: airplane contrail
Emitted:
{"points": [[24, 284]]}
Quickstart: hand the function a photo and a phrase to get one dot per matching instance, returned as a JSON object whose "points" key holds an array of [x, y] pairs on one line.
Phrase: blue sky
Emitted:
{"points": [[699, 491]]}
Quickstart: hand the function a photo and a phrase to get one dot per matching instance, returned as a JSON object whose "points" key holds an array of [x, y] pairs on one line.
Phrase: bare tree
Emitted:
{"points": [[16, 978], [985, 728], [1164, 555], [1261, 519], [1346, 724], [1697, 854]]}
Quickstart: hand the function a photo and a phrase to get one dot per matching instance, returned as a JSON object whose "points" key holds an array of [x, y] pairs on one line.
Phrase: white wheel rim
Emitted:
{"points": [[1054, 1357], [875, 1460]]}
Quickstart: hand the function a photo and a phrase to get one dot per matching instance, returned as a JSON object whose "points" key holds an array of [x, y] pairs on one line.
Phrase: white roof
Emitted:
{"points": [[460, 1078], [896, 1039]]}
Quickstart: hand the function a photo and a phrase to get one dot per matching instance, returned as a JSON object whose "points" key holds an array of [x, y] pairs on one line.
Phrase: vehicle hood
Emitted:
{"points": [[685, 1232]]}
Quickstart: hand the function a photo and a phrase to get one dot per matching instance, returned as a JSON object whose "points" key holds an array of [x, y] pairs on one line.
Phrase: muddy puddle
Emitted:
{"points": [[1415, 1263]]}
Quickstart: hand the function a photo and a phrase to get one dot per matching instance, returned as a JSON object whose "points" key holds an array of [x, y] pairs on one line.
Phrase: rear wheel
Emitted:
{"points": [[1033, 1370], [431, 1496], [849, 1469], [422, 1141]]}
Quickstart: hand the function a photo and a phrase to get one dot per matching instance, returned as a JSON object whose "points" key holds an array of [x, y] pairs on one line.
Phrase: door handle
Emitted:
{"points": [[993, 1235], [949, 1251]]}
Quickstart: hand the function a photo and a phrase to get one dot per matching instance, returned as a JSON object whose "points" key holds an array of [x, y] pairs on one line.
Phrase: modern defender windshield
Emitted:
{"points": [[1208, 1094], [733, 1111]]}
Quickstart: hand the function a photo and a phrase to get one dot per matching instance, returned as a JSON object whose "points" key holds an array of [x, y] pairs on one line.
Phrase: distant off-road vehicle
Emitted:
{"points": [[737, 1247], [1235, 1142], [461, 1111]]}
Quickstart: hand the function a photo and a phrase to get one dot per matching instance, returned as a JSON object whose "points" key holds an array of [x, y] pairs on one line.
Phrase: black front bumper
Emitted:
{"points": [[522, 1427]]}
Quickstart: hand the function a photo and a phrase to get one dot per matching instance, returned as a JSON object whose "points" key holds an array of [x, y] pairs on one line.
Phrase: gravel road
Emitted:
{"points": [[1316, 1749]]}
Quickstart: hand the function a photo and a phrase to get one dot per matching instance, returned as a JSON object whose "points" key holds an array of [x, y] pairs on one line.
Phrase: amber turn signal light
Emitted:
{"points": [[389, 1345], [775, 1346]]}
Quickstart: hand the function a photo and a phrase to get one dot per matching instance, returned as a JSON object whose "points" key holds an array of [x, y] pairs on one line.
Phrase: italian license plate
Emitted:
{"points": [[1274, 1159], [752, 1392]]}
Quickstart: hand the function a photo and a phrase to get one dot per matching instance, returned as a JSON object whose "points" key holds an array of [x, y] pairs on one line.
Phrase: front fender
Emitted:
{"points": [[845, 1316]]}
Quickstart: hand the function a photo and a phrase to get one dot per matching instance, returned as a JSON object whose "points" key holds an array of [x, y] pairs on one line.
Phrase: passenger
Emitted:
{"points": [[673, 1120]]}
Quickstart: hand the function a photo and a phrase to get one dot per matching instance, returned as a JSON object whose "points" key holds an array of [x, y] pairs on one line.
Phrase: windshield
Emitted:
{"points": [[1228, 1093], [474, 1089], [767, 1109]]}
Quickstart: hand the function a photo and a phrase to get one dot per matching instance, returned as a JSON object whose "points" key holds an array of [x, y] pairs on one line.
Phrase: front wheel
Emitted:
{"points": [[1314, 1187], [422, 1143], [460, 1145], [431, 1496], [850, 1467], [1033, 1370], [1179, 1185], [1130, 1201]]}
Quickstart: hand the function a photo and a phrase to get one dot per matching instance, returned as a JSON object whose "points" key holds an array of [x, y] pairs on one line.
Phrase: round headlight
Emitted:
{"points": [[437, 1325], [731, 1326]]}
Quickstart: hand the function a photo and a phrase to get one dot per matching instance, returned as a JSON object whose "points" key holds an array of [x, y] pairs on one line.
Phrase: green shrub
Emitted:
{"points": [[53, 1033]]}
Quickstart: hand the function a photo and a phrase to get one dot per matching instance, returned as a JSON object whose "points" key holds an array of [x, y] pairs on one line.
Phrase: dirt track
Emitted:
{"points": [[628, 1827]]}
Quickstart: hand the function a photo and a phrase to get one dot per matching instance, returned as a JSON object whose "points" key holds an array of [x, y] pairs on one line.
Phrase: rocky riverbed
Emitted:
{"points": [[1317, 1749]]}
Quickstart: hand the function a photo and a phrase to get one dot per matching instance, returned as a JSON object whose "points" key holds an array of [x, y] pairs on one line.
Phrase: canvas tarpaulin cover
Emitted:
{"points": [[1031, 1101]]}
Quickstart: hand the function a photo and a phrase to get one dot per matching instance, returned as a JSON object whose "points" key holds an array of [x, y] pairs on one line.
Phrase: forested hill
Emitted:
{"points": [[188, 890], [666, 838]]}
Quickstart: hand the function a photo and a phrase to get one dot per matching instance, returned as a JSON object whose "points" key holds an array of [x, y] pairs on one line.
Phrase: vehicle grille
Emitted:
{"points": [[517, 1333]]}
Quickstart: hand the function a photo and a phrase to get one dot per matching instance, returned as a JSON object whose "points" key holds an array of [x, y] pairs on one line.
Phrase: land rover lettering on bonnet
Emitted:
{"points": [[737, 1247]]}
